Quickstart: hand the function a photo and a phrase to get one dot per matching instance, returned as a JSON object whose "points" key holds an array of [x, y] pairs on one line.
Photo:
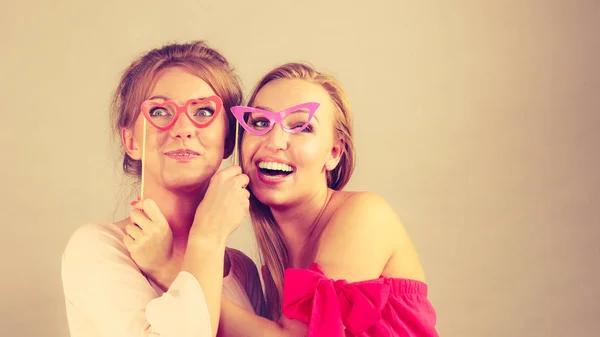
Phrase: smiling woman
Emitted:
{"points": [[163, 271], [337, 263]]}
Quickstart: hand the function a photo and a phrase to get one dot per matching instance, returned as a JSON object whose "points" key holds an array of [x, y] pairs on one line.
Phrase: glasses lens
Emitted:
{"points": [[202, 113], [161, 114], [257, 121], [296, 121]]}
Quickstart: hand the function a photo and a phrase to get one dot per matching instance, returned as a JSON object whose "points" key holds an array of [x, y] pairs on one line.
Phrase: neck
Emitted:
{"points": [[177, 206], [297, 222]]}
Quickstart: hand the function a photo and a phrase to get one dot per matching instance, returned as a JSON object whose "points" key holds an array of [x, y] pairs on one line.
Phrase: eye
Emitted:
{"points": [[259, 122], [298, 121], [158, 112], [307, 129], [204, 112]]}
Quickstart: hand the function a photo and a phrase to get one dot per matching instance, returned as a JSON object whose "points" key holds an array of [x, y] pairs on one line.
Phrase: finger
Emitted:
{"points": [[152, 211], [228, 172], [128, 241], [134, 231], [140, 219], [242, 180], [246, 194], [245, 185], [234, 169], [139, 204]]}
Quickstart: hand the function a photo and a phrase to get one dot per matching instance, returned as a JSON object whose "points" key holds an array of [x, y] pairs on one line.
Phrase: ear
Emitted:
{"points": [[131, 147], [335, 155]]}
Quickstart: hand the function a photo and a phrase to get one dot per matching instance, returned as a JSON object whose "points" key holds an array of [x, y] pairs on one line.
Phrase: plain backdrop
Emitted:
{"points": [[477, 120]]}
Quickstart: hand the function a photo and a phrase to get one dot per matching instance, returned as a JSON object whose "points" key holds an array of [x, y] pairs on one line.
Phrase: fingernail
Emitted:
{"points": [[133, 202], [139, 198]]}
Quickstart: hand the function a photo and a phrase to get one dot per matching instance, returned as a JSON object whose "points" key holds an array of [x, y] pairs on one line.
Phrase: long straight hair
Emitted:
{"points": [[274, 254]]}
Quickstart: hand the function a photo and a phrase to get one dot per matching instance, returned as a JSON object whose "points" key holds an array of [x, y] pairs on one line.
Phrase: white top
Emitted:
{"points": [[107, 295]]}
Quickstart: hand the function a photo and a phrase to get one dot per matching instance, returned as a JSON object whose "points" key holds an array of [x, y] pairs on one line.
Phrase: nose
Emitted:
{"points": [[276, 139], [183, 127]]}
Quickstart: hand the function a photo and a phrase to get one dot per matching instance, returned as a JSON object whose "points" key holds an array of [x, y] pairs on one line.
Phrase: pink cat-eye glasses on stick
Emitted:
{"points": [[259, 121]]}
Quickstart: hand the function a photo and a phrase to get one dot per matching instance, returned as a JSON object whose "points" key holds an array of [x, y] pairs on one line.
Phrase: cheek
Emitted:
{"points": [[249, 146], [212, 138], [154, 137], [214, 135], [310, 153]]}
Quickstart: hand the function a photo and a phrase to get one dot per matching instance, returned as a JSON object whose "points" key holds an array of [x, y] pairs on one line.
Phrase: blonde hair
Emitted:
{"points": [[136, 81], [273, 250]]}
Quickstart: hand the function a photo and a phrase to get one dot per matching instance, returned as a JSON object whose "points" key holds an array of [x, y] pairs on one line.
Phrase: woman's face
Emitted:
{"points": [[289, 168], [184, 156]]}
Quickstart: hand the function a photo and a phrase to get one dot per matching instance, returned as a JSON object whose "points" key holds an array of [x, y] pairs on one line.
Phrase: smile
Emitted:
{"points": [[274, 171]]}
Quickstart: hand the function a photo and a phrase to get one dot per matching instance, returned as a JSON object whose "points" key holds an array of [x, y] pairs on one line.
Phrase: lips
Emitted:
{"points": [[272, 170], [182, 152], [182, 155]]}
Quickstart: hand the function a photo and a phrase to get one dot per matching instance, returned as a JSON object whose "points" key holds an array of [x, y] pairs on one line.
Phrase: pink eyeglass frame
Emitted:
{"points": [[274, 117], [146, 106]]}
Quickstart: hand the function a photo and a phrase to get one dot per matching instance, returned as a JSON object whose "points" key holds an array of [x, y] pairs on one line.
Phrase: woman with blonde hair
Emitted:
{"points": [[336, 263], [164, 270]]}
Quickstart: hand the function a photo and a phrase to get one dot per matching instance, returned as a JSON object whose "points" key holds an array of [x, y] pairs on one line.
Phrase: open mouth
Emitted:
{"points": [[275, 170]]}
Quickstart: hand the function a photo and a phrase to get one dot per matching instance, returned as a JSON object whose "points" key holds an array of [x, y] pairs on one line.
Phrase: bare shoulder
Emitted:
{"points": [[362, 237], [364, 213], [367, 205]]}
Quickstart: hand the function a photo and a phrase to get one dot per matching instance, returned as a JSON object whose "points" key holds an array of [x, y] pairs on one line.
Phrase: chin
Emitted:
{"points": [[185, 183], [271, 197]]}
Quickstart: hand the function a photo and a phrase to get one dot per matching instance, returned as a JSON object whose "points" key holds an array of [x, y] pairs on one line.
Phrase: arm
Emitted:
{"points": [[163, 276], [166, 274], [238, 322], [108, 296], [221, 212], [204, 260]]}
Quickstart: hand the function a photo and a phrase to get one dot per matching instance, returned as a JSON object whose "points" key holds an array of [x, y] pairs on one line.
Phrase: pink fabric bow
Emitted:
{"points": [[330, 306]]}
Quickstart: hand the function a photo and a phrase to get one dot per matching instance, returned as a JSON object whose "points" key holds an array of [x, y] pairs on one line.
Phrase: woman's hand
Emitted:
{"points": [[149, 241], [224, 207]]}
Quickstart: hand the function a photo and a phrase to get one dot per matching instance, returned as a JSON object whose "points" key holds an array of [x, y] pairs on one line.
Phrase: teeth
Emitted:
{"points": [[275, 166]]}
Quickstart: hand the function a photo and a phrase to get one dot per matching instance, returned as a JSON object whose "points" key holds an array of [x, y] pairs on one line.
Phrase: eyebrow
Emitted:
{"points": [[271, 110], [263, 108], [167, 98]]}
